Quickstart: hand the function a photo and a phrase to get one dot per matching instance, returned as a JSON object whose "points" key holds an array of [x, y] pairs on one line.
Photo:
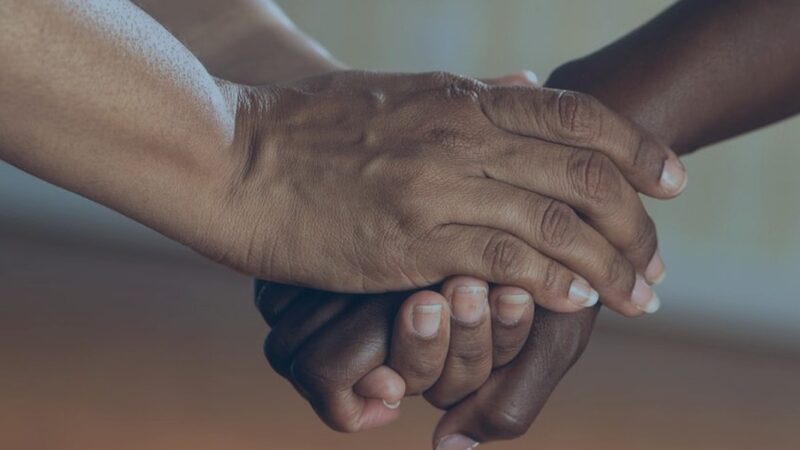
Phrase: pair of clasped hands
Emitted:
{"points": [[545, 202]]}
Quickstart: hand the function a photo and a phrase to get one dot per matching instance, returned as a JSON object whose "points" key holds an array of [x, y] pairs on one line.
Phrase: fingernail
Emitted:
{"points": [[673, 177], [582, 294], [456, 442], [531, 77], [511, 307], [394, 405], [469, 303], [655, 272], [426, 319], [643, 297]]}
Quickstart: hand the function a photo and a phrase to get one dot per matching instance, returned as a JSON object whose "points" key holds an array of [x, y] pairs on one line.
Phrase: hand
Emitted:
{"points": [[430, 175], [445, 380], [333, 347], [339, 369]]}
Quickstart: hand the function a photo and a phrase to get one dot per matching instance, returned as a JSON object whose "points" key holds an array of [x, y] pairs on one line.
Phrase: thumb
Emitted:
{"points": [[521, 78], [386, 385]]}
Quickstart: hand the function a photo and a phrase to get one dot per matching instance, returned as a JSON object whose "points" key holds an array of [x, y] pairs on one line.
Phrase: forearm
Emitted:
{"points": [[101, 100], [700, 72], [246, 41]]}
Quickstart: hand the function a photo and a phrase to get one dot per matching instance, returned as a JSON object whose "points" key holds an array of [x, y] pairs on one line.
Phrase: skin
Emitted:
{"points": [[489, 337], [347, 181], [679, 99]]}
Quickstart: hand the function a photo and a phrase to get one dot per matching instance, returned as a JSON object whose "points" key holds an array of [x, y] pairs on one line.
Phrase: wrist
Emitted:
{"points": [[228, 214]]}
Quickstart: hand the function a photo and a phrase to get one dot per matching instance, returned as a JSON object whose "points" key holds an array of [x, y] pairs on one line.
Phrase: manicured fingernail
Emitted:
{"points": [[394, 405], [531, 77], [582, 294], [456, 442], [673, 177], [511, 307], [469, 303], [426, 319], [643, 296], [655, 272]]}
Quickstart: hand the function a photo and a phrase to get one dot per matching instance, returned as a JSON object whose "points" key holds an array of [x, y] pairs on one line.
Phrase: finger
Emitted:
{"points": [[272, 299], [420, 340], [521, 78], [576, 119], [512, 316], [326, 369], [506, 405], [502, 258], [469, 360], [309, 312], [589, 182], [382, 383], [555, 230]]}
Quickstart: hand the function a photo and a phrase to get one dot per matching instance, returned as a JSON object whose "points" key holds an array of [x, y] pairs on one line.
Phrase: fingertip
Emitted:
{"points": [[530, 77], [458, 421], [510, 304], [673, 178], [525, 78], [577, 298], [423, 315], [582, 294], [451, 284], [382, 383], [376, 414], [468, 298], [456, 442]]}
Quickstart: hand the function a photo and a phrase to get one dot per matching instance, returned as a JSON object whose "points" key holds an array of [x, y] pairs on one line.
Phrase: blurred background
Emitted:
{"points": [[114, 337]]}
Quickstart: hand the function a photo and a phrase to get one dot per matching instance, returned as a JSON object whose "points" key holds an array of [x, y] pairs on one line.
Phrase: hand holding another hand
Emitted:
{"points": [[345, 354], [481, 363], [361, 182]]}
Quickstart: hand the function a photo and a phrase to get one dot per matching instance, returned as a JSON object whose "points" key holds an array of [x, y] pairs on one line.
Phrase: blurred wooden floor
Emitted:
{"points": [[104, 351]]}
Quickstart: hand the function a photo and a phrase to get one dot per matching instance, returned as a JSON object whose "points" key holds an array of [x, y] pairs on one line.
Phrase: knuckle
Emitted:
{"points": [[557, 225], [505, 422], [644, 238], [594, 176], [639, 152], [502, 257], [644, 158], [275, 348], [578, 116], [456, 86], [416, 190], [473, 356], [421, 372], [315, 378], [442, 77], [551, 277], [506, 349], [272, 299], [615, 271], [437, 398], [444, 137], [277, 354]]}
